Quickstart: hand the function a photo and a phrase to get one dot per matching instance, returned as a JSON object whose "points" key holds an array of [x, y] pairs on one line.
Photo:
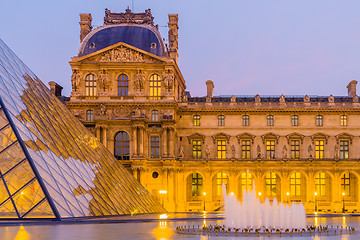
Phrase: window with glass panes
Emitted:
{"points": [[295, 149], [345, 184], [245, 120], [246, 182], [155, 150], [319, 149], [319, 120], [270, 120], [270, 182], [196, 148], [123, 85], [155, 87], [122, 146], [344, 149], [221, 178], [221, 149], [270, 149], [89, 115], [320, 184], [245, 149], [197, 120], [154, 115], [294, 120], [295, 184], [90, 85], [221, 120], [196, 185], [343, 120]]}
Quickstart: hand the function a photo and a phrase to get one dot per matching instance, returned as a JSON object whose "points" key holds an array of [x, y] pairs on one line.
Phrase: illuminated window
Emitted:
{"points": [[319, 120], [197, 120], [154, 141], [344, 149], [295, 149], [294, 120], [345, 184], [155, 87], [221, 149], [121, 146], [90, 85], [270, 182], [246, 182], [270, 120], [270, 149], [220, 179], [89, 115], [196, 185], [154, 115], [221, 120], [245, 120], [196, 148], [123, 85], [343, 120], [245, 149], [320, 184], [295, 184], [319, 149]]}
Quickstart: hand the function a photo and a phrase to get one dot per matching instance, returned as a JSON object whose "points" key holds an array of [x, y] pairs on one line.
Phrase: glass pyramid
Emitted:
{"points": [[50, 165]]}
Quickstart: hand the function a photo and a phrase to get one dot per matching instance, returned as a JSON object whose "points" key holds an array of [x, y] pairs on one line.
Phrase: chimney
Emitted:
{"points": [[173, 36], [85, 25], [352, 88], [210, 88], [55, 88]]}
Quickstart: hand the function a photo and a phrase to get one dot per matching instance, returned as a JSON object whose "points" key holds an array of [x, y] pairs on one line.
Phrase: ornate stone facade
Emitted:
{"points": [[289, 146]]}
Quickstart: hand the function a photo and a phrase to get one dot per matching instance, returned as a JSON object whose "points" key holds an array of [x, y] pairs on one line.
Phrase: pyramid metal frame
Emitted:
{"points": [[33, 167]]}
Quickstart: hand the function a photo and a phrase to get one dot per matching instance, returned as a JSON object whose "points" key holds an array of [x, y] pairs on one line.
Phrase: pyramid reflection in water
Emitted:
{"points": [[50, 165]]}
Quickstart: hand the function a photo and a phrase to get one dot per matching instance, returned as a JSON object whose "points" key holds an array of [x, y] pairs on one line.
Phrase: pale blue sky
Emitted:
{"points": [[244, 46]]}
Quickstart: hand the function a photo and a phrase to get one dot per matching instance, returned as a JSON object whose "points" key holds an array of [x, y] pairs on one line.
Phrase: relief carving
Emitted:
{"points": [[306, 98], [257, 98], [168, 81], [282, 98], [121, 111], [122, 54], [75, 81], [331, 99], [140, 81], [104, 83]]}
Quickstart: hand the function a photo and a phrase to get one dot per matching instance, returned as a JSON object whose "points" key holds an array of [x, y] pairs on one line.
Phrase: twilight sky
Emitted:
{"points": [[245, 47]]}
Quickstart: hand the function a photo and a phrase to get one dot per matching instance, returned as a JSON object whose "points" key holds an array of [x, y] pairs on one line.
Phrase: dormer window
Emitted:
{"points": [[153, 45], [92, 45]]}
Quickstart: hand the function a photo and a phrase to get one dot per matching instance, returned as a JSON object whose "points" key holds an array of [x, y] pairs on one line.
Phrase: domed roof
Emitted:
{"points": [[144, 37]]}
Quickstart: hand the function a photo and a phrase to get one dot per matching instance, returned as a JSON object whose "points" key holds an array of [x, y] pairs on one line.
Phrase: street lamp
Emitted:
{"points": [[287, 198], [343, 200], [162, 193], [204, 193], [315, 201]]}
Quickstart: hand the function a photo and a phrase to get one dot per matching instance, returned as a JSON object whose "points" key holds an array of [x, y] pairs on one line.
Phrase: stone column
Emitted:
{"points": [[104, 138], [141, 141], [97, 133], [171, 142], [135, 140], [165, 146]]}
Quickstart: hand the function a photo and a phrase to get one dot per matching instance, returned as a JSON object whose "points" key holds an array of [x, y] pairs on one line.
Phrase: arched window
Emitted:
{"points": [[154, 115], [155, 87], [245, 120], [196, 120], [123, 85], [319, 120], [89, 115], [270, 120], [343, 120], [270, 183], [221, 120], [122, 146], [90, 85]]}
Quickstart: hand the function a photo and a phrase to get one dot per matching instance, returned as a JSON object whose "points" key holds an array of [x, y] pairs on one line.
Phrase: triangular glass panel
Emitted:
{"points": [[42, 210]]}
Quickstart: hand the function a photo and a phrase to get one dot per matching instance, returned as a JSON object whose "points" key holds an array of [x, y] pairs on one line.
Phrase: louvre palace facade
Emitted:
{"points": [[127, 88]]}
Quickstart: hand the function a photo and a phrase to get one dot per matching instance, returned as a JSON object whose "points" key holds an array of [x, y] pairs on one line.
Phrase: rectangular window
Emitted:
{"points": [[294, 120], [320, 184], [270, 120], [155, 87], [343, 120], [319, 120], [344, 149], [245, 149], [245, 120], [196, 148], [221, 149], [319, 149], [221, 120], [295, 184], [295, 149], [270, 149], [197, 183], [345, 184], [270, 181], [89, 115], [196, 120], [155, 153], [221, 178]]}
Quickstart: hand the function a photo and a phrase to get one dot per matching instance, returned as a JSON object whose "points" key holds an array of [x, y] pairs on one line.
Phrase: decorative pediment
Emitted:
{"points": [[245, 135], [344, 136], [221, 136], [270, 136], [295, 136], [320, 136], [196, 136], [120, 52]]}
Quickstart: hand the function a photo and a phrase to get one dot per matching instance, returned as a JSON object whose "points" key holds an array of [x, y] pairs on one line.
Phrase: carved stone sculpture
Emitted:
{"points": [[336, 151], [207, 152], [140, 81], [103, 81], [306, 98], [331, 99], [310, 150], [102, 111], [285, 151], [233, 98], [169, 80], [232, 151], [356, 99], [257, 98], [122, 54], [75, 80], [258, 151], [181, 151], [282, 98]]}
